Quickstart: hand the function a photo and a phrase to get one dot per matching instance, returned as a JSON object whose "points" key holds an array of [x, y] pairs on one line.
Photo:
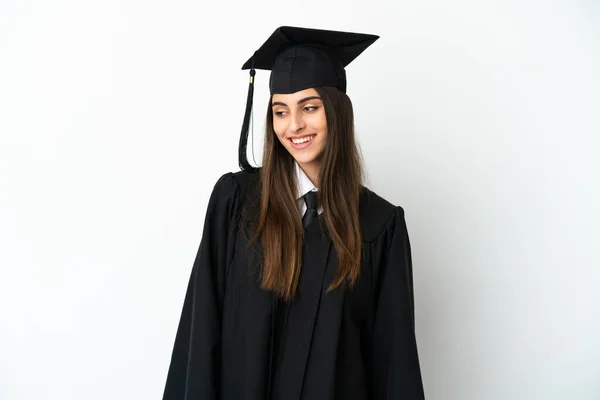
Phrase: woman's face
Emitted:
{"points": [[301, 126]]}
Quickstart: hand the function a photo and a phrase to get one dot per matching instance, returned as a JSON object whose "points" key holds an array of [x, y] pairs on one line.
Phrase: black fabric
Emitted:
{"points": [[311, 213], [356, 344], [280, 313], [301, 58]]}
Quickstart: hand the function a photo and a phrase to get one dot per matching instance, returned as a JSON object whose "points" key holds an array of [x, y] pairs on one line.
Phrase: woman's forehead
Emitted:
{"points": [[294, 97]]}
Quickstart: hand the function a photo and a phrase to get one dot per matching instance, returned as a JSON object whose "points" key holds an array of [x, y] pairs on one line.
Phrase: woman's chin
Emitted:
{"points": [[304, 158]]}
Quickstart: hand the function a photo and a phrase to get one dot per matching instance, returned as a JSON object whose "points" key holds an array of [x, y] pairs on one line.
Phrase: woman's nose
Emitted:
{"points": [[297, 122]]}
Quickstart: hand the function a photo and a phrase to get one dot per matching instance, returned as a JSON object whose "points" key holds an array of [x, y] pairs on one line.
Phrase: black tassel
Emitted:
{"points": [[243, 148]]}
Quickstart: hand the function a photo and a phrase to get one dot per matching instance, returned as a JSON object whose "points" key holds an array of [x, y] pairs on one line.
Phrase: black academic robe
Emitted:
{"points": [[350, 344]]}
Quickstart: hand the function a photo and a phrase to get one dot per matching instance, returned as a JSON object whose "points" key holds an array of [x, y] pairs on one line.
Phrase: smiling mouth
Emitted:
{"points": [[301, 140]]}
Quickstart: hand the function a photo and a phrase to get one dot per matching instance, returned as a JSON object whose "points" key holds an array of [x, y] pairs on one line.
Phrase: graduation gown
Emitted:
{"points": [[350, 344]]}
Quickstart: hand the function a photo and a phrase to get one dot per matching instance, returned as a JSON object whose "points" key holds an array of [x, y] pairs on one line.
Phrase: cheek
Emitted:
{"points": [[279, 130], [322, 122], [322, 127]]}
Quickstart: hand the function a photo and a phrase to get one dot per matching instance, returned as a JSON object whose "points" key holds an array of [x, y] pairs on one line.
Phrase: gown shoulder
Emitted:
{"points": [[377, 214], [234, 187]]}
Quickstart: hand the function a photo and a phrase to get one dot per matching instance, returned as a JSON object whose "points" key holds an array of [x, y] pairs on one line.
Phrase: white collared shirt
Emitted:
{"points": [[304, 186]]}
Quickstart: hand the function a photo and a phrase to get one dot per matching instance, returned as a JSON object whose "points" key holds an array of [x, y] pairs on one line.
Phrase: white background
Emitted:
{"points": [[480, 118]]}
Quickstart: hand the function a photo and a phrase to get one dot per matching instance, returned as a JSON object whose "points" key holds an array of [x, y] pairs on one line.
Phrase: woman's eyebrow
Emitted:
{"points": [[304, 100]]}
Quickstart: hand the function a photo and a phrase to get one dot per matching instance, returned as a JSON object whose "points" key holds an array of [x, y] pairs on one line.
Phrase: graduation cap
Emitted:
{"points": [[301, 58]]}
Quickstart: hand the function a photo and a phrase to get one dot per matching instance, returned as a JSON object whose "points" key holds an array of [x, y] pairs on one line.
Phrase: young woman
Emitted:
{"points": [[302, 285]]}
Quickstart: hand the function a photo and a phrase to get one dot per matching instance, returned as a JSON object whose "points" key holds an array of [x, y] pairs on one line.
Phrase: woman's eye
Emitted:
{"points": [[310, 108], [280, 113]]}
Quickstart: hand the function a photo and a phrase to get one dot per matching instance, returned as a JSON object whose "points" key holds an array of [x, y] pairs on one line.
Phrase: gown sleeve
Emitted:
{"points": [[395, 370], [195, 361]]}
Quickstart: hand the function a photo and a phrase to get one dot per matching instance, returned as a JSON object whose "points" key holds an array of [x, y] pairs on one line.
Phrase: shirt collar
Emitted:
{"points": [[304, 184]]}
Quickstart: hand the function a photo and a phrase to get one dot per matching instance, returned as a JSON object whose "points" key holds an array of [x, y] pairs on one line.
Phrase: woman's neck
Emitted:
{"points": [[312, 172]]}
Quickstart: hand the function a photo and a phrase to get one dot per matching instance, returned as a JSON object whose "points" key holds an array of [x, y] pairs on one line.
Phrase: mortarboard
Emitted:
{"points": [[301, 58]]}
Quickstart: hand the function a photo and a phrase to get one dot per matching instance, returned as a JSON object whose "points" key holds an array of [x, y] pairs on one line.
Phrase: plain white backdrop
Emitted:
{"points": [[480, 118]]}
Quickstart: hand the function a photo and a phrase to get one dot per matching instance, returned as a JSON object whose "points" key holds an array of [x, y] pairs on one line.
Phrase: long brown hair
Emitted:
{"points": [[279, 223]]}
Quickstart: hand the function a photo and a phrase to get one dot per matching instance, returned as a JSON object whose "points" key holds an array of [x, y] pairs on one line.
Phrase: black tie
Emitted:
{"points": [[311, 213]]}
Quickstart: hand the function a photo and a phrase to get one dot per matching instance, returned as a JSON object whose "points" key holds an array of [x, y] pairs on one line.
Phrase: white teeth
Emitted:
{"points": [[303, 140]]}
